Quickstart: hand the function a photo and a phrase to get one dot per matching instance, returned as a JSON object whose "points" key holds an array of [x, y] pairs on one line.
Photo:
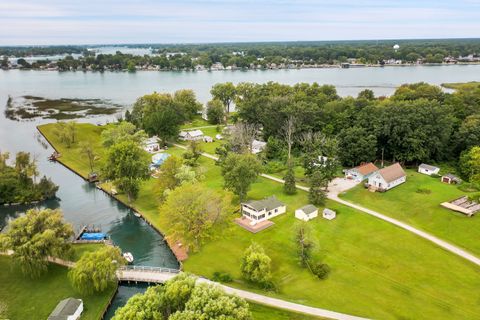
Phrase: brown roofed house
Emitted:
{"points": [[388, 177], [362, 172]]}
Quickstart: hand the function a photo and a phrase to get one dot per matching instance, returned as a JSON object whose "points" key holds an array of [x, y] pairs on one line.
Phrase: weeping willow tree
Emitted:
{"points": [[34, 237]]}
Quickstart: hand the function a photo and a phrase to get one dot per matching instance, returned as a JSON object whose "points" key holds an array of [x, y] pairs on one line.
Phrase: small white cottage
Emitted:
{"points": [[258, 146], [388, 177], [329, 214], [207, 139], [260, 210], [307, 212], [361, 172], [151, 145], [67, 309], [191, 135], [428, 169]]}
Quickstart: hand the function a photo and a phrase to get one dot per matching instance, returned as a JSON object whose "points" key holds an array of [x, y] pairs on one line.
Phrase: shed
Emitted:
{"points": [[307, 212], [207, 139], [450, 179], [428, 169], [67, 309], [329, 214]]}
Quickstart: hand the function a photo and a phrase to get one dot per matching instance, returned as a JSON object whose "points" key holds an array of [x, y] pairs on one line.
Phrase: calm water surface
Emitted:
{"points": [[83, 204]]}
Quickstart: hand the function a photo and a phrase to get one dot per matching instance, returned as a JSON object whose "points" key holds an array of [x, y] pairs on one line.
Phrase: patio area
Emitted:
{"points": [[245, 224]]}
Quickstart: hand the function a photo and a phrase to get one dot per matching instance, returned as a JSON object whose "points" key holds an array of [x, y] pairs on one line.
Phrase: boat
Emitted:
{"points": [[128, 256], [136, 214]]}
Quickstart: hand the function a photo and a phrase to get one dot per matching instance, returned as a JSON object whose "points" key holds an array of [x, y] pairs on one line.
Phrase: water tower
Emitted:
{"points": [[396, 47]]}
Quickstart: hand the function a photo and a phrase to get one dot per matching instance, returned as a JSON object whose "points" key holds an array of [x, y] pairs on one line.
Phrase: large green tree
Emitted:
{"points": [[215, 111], [209, 301], [122, 131], [356, 145], [127, 165], [34, 237], [96, 271], [195, 213], [239, 172], [226, 93], [256, 265]]}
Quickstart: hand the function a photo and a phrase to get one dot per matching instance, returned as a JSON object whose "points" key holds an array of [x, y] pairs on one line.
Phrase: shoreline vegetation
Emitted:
{"points": [[245, 56], [30, 107], [376, 253]]}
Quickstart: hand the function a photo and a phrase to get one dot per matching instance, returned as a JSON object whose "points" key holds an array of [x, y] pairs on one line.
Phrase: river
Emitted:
{"points": [[83, 204]]}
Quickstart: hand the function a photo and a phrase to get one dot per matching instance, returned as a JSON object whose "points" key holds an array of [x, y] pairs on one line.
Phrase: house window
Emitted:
{"points": [[276, 210], [261, 217]]}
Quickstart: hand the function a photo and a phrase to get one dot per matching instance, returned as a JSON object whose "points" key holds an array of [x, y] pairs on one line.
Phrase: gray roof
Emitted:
{"points": [[65, 308], [429, 167], [451, 176], [309, 208], [268, 204]]}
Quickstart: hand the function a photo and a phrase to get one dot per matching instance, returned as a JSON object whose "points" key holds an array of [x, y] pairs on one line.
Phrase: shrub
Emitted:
{"points": [[222, 277], [274, 167], [469, 187], [423, 191], [321, 270]]}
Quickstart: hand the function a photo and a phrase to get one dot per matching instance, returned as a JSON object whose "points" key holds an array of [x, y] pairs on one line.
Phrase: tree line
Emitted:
{"points": [[263, 55]]}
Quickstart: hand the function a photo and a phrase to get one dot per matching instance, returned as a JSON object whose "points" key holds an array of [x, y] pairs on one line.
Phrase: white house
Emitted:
{"points": [[67, 309], [329, 214], [428, 169], [151, 144], [258, 146], [307, 212], [191, 135], [388, 177], [207, 139], [361, 172], [260, 210]]}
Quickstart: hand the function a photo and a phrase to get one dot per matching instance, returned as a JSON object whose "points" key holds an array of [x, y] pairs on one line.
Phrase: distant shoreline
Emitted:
{"points": [[325, 66]]}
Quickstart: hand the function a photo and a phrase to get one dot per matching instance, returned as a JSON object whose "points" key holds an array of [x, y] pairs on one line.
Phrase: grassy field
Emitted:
{"points": [[35, 299], [378, 270], [408, 203], [261, 312]]}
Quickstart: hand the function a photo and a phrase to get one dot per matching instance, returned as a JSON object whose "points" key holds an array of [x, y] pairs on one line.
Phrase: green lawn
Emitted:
{"points": [[35, 299], [80, 249], [72, 156], [423, 210], [378, 270], [261, 312]]}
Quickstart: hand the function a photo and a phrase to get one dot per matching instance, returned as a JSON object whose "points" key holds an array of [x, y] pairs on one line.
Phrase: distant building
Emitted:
{"points": [[361, 172], [151, 144], [67, 309], [428, 169], [388, 177], [191, 135], [261, 210], [306, 213], [258, 146], [207, 139], [329, 214]]}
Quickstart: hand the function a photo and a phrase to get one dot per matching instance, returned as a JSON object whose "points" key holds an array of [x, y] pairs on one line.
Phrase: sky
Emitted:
{"points": [[28, 22]]}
